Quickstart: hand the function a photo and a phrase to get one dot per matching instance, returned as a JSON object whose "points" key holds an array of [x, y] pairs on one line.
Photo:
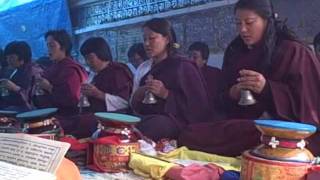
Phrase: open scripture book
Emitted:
{"points": [[24, 157]]}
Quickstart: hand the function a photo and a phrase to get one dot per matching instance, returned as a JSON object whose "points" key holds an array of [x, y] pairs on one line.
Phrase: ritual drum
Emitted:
{"points": [[110, 152], [8, 122], [282, 153], [40, 123]]}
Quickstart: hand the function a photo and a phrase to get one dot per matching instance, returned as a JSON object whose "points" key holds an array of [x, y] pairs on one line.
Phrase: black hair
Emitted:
{"points": [[98, 46], [276, 31], [202, 47], [137, 49], [63, 38], [164, 27], [19, 48]]}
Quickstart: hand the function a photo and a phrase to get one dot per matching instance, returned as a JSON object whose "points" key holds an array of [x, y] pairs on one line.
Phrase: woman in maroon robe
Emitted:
{"points": [[199, 53], [18, 55], [282, 73], [176, 83], [109, 90], [63, 79]]}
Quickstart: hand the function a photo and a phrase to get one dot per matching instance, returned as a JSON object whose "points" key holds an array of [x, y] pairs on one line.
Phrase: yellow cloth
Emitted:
{"points": [[148, 166], [157, 167], [227, 163]]}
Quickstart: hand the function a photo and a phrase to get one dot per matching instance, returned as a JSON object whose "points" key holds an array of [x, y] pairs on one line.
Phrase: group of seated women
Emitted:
{"points": [[195, 104]]}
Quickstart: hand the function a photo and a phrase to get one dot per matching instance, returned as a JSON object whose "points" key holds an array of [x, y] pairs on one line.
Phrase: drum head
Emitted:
{"points": [[116, 117], [39, 113], [286, 125], [9, 113]]}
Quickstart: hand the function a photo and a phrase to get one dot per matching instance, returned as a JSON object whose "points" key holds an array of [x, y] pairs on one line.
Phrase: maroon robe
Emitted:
{"points": [[66, 77], [186, 103], [291, 93], [212, 76], [116, 79]]}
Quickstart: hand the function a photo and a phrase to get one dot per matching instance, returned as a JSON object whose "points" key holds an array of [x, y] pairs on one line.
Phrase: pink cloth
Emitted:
{"points": [[195, 172]]}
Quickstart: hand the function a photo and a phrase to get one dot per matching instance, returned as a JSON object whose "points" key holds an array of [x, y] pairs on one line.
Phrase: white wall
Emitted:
{"points": [[216, 60]]}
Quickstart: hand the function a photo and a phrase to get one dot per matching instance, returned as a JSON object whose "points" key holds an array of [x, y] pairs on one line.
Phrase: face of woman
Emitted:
{"points": [[155, 44], [94, 62], [55, 51], [136, 60], [13, 61], [250, 25], [196, 56]]}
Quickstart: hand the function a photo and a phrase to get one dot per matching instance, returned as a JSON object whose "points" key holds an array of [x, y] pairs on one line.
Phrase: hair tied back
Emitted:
{"points": [[176, 45]]}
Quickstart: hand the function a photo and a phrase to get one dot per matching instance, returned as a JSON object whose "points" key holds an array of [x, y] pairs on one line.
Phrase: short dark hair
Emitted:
{"points": [[316, 42], [63, 38], [19, 48], [137, 49], [202, 47], [98, 46]]}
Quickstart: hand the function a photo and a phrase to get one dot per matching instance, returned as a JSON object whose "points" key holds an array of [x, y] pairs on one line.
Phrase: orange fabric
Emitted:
{"points": [[68, 171]]}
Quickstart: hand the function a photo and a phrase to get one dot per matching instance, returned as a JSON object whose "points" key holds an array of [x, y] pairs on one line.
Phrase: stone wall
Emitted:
{"points": [[214, 26]]}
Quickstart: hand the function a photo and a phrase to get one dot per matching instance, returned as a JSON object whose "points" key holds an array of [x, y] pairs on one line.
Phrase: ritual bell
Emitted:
{"points": [[3, 90], [246, 98], [149, 98], [84, 102]]}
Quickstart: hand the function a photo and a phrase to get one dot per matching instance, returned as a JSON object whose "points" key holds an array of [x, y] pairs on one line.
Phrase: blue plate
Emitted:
{"points": [[39, 113], [118, 117], [286, 125]]}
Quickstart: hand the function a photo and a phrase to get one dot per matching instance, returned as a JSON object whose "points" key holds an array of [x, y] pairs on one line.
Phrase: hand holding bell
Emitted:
{"points": [[44, 84], [38, 90], [84, 102], [250, 81], [3, 89], [149, 97], [86, 89]]}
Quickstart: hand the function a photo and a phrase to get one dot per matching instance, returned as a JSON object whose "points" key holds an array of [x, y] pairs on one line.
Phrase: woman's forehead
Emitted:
{"points": [[245, 14], [149, 31]]}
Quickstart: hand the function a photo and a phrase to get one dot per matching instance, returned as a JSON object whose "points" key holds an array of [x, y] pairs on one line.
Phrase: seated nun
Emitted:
{"points": [[15, 86], [61, 82], [268, 74], [109, 89], [136, 56], [111, 86], [199, 53], [170, 91]]}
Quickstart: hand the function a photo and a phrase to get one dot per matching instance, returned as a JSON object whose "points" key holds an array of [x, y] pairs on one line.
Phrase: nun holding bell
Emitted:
{"points": [[268, 60]]}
